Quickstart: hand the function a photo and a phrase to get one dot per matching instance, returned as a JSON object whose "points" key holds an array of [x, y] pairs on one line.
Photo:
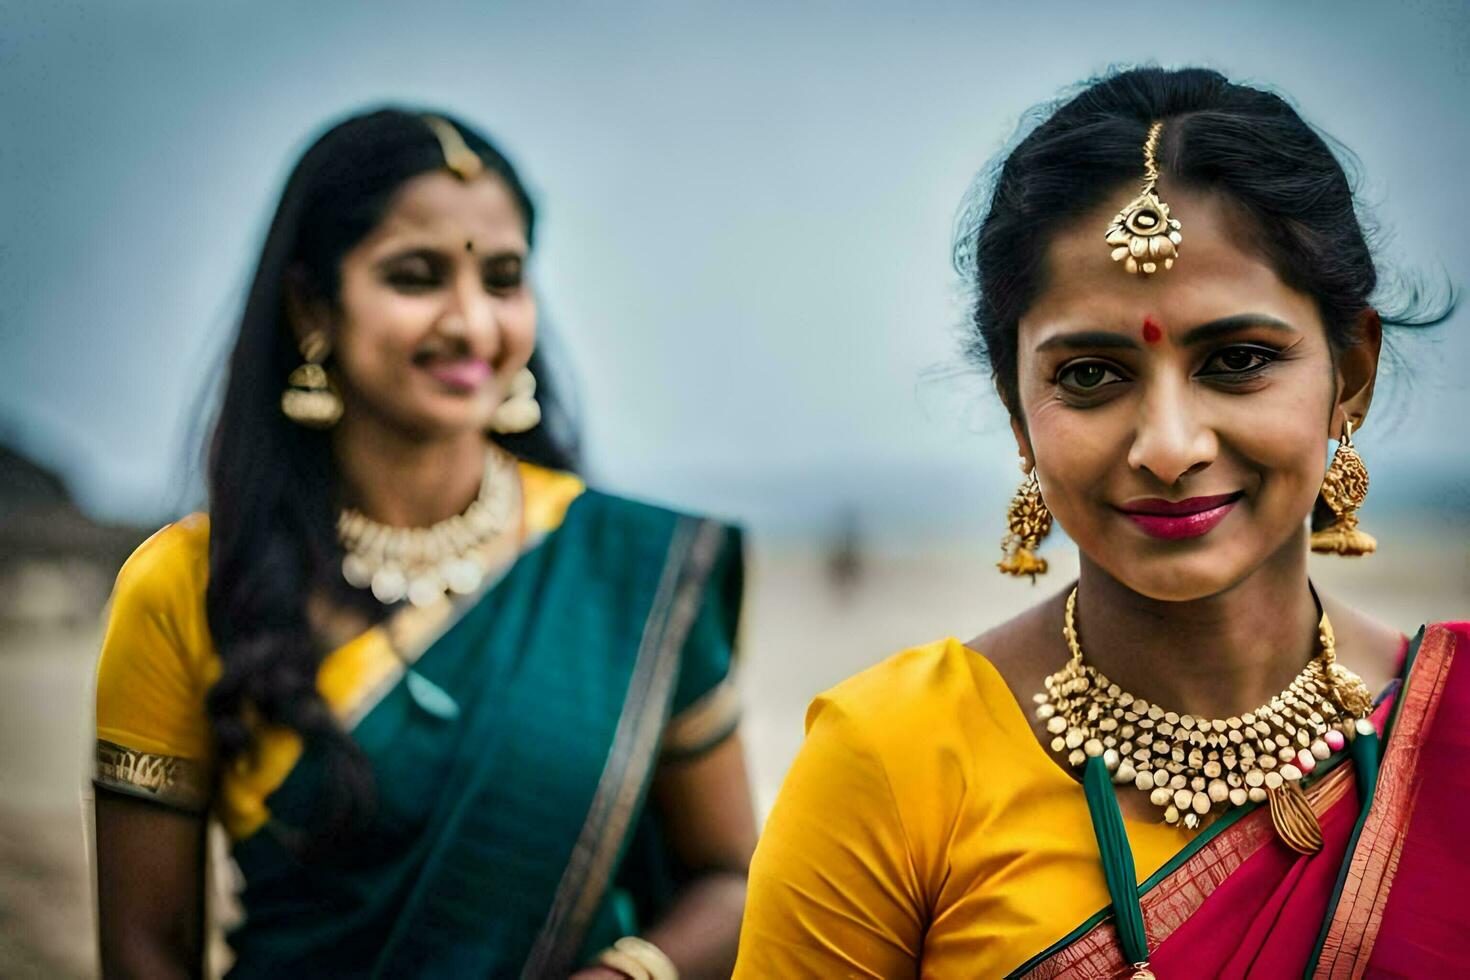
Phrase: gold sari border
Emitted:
{"points": [[167, 779], [631, 757], [705, 723], [1350, 938]]}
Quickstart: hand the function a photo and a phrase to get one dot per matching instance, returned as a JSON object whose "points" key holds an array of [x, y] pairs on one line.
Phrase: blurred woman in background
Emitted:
{"points": [[1174, 297], [459, 714]]}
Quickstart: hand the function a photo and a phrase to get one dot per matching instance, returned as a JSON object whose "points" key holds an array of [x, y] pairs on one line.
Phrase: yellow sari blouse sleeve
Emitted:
{"points": [[157, 662], [834, 891], [855, 853]]}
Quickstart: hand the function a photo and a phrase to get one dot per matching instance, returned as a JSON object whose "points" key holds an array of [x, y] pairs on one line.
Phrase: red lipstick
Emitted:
{"points": [[463, 375], [1174, 520]]}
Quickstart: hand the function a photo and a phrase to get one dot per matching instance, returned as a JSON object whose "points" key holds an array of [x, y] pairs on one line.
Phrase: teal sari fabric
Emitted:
{"points": [[512, 773]]}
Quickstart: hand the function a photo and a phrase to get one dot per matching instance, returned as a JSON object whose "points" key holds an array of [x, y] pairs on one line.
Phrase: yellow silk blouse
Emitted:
{"points": [[924, 832], [158, 662]]}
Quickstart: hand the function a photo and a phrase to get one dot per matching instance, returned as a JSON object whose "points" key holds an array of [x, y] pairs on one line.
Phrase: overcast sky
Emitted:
{"points": [[747, 215]]}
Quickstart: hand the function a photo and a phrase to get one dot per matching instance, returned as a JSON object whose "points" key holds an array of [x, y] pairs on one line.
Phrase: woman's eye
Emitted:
{"points": [[503, 275], [1087, 376], [1238, 360], [500, 284], [411, 278]]}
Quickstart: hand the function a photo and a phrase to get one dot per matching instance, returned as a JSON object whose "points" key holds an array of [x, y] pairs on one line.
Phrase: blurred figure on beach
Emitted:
{"points": [[459, 713]]}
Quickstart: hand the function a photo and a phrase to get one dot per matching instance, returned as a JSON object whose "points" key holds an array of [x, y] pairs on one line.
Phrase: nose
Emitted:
{"points": [[470, 317], [1171, 440]]}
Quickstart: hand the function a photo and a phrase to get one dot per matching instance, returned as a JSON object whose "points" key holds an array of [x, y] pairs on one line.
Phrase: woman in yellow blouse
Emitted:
{"points": [[1187, 763], [459, 714]]}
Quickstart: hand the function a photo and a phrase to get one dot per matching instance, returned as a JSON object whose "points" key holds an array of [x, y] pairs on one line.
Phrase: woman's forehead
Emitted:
{"points": [[439, 205], [1219, 273]]}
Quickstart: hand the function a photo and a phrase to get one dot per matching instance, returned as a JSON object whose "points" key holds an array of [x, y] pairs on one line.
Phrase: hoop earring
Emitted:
{"points": [[1343, 491], [520, 411], [1027, 522], [309, 398]]}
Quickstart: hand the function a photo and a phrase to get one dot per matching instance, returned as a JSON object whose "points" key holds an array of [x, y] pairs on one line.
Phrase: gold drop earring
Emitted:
{"points": [[1027, 522], [520, 411], [1343, 491], [309, 398]]}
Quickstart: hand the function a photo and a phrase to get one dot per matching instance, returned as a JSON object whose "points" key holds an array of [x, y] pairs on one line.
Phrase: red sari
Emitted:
{"points": [[1239, 903]]}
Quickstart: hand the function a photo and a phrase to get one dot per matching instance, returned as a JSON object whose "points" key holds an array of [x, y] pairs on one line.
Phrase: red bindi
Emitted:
{"points": [[1152, 332]]}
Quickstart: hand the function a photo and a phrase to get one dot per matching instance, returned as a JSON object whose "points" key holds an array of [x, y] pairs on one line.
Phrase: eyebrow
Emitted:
{"points": [[1232, 324], [433, 253], [1212, 330]]}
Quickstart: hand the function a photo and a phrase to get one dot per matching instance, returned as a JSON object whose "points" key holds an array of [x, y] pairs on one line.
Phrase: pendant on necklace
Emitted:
{"points": [[1192, 767]]}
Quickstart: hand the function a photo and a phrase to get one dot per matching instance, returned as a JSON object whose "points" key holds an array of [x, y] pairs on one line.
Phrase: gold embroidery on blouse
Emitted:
{"points": [[165, 778]]}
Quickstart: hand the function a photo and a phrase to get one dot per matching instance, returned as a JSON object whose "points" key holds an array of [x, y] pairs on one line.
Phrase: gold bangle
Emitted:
{"points": [[647, 961], [624, 964]]}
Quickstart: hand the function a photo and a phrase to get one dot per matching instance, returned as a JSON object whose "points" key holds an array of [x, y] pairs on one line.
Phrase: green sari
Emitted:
{"points": [[512, 758]]}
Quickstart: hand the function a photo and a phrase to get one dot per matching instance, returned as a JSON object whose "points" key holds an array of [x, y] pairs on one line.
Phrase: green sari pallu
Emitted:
{"points": [[512, 761]]}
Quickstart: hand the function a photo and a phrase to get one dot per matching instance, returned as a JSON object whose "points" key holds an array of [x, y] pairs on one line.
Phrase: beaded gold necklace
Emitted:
{"points": [[1191, 766], [422, 564]]}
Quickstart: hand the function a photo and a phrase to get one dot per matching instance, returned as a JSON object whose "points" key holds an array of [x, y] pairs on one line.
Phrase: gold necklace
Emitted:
{"points": [[1189, 766], [421, 564]]}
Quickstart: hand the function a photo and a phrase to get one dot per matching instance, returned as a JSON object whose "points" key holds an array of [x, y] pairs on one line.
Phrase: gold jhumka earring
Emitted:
{"points": [[309, 398], [520, 411], [1027, 522], [1142, 235], [1343, 491]]}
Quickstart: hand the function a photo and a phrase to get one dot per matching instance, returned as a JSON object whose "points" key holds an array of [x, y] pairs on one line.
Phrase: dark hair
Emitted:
{"points": [[272, 484], [1243, 142]]}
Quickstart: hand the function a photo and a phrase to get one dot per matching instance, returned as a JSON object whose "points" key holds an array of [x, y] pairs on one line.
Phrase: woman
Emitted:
{"points": [[1173, 297], [459, 714]]}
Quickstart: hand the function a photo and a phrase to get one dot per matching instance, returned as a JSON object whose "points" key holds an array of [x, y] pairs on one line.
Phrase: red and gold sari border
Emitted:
{"points": [[1178, 890], [1370, 875]]}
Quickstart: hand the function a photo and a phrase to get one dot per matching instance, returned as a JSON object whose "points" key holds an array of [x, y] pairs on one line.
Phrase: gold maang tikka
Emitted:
{"points": [[1143, 235], [462, 161]]}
